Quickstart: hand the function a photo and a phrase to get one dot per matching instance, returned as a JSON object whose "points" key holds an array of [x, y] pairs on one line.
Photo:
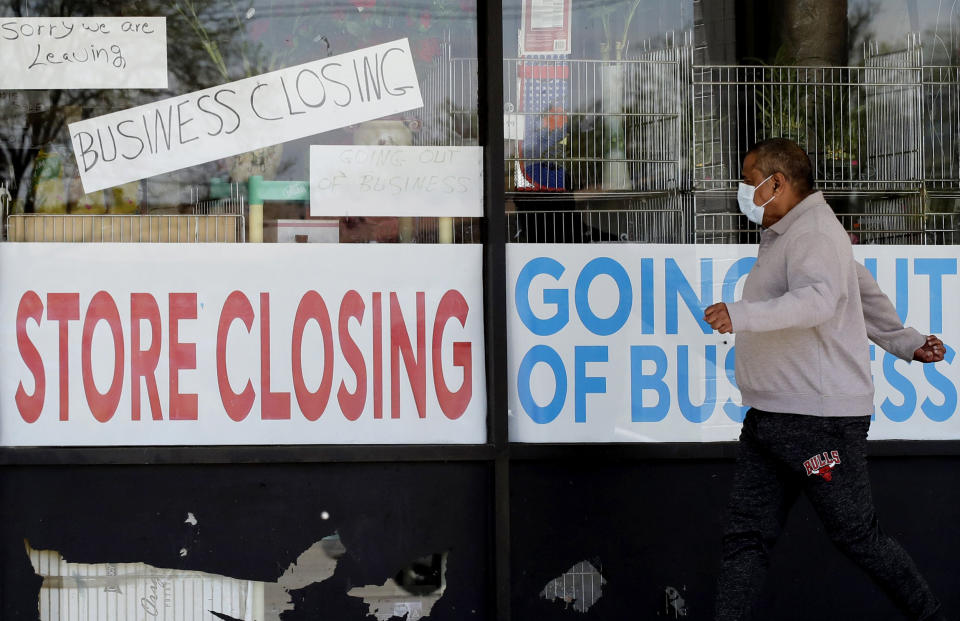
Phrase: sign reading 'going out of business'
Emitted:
{"points": [[390, 180], [607, 342], [244, 115]]}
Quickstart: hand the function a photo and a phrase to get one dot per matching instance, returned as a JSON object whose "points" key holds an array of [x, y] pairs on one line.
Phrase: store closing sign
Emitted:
{"points": [[275, 344], [607, 342], [248, 114]]}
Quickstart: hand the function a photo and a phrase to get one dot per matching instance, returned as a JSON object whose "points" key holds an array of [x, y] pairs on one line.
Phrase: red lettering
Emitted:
{"points": [[237, 405], [453, 404], [273, 405], [102, 308], [400, 346], [183, 356], [351, 404], [144, 362], [30, 406], [312, 404], [63, 308], [377, 356]]}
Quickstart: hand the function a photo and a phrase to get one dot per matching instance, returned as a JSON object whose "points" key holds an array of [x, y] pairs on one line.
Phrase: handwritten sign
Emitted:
{"points": [[83, 52], [396, 181], [244, 115]]}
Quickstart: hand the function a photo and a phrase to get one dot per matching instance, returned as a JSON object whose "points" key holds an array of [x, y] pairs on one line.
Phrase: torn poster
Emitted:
{"points": [[120, 591]]}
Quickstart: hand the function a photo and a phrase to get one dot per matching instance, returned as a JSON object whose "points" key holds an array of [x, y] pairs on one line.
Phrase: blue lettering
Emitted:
{"points": [[583, 383], [945, 410], [639, 382], [898, 413], [738, 270], [871, 265], [903, 290], [557, 297], [542, 414], [935, 269], [646, 296], [735, 412], [696, 413], [596, 267], [676, 284]]}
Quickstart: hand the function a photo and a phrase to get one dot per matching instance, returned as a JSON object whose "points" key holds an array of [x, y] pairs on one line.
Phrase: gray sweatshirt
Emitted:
{"points": [[807, 311]]}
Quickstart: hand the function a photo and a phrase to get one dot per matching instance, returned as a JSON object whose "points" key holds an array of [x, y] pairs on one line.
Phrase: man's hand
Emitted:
{"points": [[719, 319], [932, 351]]}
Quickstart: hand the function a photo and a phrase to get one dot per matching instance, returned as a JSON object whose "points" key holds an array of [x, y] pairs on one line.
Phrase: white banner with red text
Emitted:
{"points": [[607, 342], [204, 344]]}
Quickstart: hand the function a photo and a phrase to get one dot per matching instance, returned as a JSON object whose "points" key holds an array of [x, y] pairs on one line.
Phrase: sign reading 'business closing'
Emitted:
{"points": [[244, 115], [265, 345]]}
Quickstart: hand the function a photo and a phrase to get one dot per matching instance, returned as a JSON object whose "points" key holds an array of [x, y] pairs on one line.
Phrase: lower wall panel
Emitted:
{"points": [[653, 532], [181, 542]]}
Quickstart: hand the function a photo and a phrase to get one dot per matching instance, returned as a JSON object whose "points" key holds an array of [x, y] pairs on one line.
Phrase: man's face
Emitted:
{"points": [[752, 176]]}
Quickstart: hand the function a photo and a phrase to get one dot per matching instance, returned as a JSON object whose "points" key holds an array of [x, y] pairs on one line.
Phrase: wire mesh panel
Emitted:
{"points": [[449, 112], [941, 132], [860, 125], [878, 220], [576, 125], [942, 228], [651, 219]]}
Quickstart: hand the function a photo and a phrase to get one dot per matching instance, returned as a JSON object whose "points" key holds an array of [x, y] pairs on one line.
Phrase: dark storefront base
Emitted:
{"points": [[647, 525], [654, 525], [253, 521]]}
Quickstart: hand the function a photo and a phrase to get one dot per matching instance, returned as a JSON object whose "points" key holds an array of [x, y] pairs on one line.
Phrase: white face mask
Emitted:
{"points": [[751, 210]]}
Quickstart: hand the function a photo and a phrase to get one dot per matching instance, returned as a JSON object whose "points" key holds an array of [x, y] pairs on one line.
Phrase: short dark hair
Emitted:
{"points": [[784, 156]]}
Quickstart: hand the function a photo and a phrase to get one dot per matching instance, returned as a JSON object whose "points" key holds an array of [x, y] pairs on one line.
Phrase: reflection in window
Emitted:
{"points": [[594, 119], [209, 43]]}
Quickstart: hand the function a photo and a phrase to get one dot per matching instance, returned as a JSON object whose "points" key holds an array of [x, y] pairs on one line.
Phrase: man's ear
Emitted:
{"points": [[779, 180]]}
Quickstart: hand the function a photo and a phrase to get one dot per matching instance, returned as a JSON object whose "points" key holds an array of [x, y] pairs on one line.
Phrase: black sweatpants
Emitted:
{"points": [[781, 455]]}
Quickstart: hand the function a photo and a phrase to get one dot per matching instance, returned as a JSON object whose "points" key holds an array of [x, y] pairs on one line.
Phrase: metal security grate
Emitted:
{"points": [[894, 227], [860, 125], [658, 219], [941, 102], [593, 125]]}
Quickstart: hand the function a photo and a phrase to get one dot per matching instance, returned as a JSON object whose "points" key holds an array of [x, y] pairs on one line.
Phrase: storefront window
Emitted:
{"points": [[217, 121], [595, 119]]}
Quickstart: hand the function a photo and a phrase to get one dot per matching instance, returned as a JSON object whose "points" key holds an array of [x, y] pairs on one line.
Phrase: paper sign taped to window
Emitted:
{"points": [[389, 180], [245, 115], [83, 52]]}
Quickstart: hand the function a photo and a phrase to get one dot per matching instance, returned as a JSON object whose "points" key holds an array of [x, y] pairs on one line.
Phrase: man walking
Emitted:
{"points": [[803, 365]]}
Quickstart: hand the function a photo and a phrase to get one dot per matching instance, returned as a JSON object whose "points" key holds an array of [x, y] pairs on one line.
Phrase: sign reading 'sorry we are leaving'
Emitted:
{"points": [[248, 114], [83, 52]]}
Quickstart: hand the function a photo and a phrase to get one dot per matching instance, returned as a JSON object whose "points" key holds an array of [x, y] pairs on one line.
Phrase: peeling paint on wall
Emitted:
{"points": [[410, 594], [119, 591], [675, 605], [580, 586], [316, 564]]}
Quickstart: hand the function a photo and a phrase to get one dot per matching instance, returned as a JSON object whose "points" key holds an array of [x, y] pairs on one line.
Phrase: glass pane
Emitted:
{"points": [[594, 103], [241, 133]]}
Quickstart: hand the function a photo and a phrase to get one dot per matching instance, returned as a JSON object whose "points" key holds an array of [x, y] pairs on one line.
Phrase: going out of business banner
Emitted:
{"points": [[607, 344], [160, 344]]}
